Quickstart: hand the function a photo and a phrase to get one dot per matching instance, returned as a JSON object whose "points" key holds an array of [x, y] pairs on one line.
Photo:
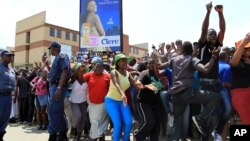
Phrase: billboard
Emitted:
{"points": [[100, 25]]}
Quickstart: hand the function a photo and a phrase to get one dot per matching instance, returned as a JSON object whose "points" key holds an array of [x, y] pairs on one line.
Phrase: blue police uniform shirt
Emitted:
{"points": [[225, 72], [8, 78], [60, 63], [168, 73]]}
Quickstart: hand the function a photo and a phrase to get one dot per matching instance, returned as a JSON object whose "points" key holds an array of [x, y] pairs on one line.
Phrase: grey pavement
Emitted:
{"points": [[20, 132]]}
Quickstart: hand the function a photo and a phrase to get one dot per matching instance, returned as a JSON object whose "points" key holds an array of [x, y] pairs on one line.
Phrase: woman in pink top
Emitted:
{"points": [[40, 84]]}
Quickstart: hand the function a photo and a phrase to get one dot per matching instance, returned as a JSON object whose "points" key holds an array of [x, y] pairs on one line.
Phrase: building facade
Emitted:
{"points": [[34, 36]]}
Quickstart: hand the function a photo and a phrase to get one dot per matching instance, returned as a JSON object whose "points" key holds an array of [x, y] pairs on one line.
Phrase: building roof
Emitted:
{"points": [[142, 45]]}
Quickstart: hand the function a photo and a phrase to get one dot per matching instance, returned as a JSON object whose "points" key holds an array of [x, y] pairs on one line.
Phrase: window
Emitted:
{"points": [[67, 35], [131, 50], [137, 51], [27, 40], [59, 33], [52, 32], [74, 37]]}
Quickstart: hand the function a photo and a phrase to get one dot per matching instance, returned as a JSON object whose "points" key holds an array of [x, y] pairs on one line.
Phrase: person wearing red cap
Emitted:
{"points": [[240, 63]]}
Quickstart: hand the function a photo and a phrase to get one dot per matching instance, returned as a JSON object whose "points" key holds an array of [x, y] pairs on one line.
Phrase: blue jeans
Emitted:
{"points": [[5, 110], [57, 121], [118, 114], [166, 98], [226, 109], [134, 94]]}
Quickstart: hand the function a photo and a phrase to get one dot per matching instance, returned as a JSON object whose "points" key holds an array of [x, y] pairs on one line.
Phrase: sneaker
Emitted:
{"points": [[25, 122], [29, 123], [44, 128], [12, 120], [199, 124], [39, 128], [216, 136]]}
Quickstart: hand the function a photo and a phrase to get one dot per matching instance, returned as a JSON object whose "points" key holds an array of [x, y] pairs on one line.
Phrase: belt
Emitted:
{"points": [[5, 93], [211, 81]]}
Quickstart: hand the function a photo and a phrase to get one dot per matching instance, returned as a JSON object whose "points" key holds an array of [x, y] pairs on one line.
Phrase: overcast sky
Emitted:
{"points": [[150, 21]]}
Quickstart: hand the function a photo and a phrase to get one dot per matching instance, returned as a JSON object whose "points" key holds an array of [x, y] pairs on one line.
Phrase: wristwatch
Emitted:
{"points": [[59, 87]]}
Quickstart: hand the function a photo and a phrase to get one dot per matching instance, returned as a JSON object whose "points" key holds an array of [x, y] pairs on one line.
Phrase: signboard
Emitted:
{"points": [[67, 49], [100, 25]]}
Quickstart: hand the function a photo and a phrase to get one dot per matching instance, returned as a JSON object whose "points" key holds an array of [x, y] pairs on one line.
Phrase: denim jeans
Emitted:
{"points": [[166, 98], [134, 93], [226, 110], [209, 100], [5, 109], [57, 121]]}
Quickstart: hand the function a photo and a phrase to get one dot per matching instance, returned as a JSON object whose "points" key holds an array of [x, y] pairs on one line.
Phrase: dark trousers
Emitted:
{"points": [[5, 109], [31, 106], [23, 108], [216, 86], [180, 101], [57, 121], [149, 121]]}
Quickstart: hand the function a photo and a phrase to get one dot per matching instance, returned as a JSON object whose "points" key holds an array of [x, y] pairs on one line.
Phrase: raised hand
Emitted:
{"points": [[209, 6], [161, 45], [46, 62], [247, 38], [219, 8], [36, 64], [216, 51]]}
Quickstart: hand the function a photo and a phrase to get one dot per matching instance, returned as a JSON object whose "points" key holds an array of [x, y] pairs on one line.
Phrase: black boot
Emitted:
{"points": [[52, 137], [102, 138], [73, 132], [1, 135], [63, 136]]}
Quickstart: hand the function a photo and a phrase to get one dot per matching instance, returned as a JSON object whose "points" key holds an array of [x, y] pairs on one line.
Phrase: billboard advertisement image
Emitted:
{"points": [[100, 25]]}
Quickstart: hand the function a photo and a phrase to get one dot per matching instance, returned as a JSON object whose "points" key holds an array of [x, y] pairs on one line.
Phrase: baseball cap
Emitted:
{"points": [[55, 45], [6, 52], [77, 65], [97, 60], [122, 56]]}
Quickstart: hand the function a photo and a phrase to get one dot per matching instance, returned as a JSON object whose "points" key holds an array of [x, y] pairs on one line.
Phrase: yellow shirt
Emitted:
{"points": [[124, 83]]}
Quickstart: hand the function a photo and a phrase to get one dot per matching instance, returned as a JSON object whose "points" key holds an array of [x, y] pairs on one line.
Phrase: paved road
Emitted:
{"points": [[18, 132]]}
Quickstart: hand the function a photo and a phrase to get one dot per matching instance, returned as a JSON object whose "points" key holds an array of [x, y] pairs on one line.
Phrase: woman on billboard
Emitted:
{"points": [[92, 26]]}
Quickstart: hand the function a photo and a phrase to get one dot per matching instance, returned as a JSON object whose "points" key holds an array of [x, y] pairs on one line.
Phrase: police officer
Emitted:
{"points": [[7, 85], [58, 76]]}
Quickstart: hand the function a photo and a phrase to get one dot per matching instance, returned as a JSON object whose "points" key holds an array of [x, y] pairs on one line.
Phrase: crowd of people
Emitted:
{"points": [[189, 92]]}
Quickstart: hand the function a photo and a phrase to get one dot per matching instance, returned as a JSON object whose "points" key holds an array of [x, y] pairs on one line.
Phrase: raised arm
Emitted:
{"points": [[238, 53], [99, 26], [205, 24], [219, 9]]}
